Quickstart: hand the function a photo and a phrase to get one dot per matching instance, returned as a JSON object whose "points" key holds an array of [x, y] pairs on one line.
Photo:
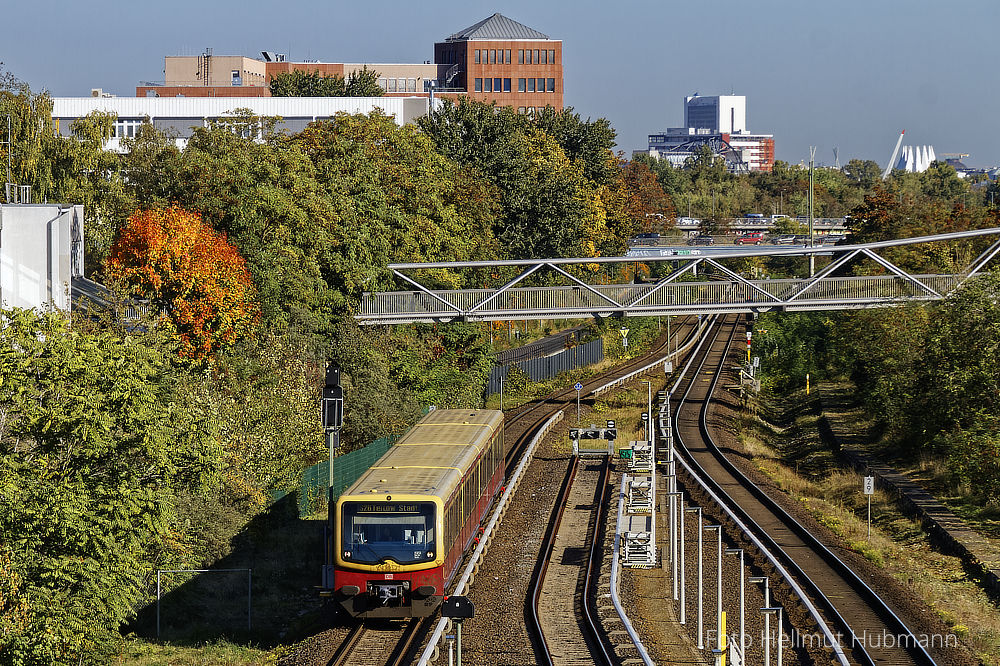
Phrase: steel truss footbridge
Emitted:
{"points": [[857, 276]]}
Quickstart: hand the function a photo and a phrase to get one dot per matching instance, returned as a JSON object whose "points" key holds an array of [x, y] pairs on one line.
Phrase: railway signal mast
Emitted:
{"points": [[332, 410]]}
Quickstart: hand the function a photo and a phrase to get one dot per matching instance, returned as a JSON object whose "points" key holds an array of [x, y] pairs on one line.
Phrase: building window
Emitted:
{"points": [[520, 85], [521, 110], [531, 85], [493, 56], [541, 85], [392, 84], [545, 60], [411, 85], [497, 85], [479, 85], [506, 85], [477, 56], [536, 57], [520, 56], [552, 57], [382, 84], [527, 52], [551, 85], [507, 56]]}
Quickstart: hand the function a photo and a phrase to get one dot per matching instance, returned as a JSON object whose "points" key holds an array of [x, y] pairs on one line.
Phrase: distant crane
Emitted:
{"points": [[895, 154], [836, 157]]}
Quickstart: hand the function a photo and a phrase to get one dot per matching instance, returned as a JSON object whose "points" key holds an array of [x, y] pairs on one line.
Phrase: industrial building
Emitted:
{"points": [[719, 122], [495, 60], [178, 116]]}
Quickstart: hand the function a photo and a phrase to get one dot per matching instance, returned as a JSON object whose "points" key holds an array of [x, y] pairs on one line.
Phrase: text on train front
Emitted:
{"points": [[374, 532]]}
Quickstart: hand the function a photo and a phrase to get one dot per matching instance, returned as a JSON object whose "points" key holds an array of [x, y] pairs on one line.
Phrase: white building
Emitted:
{"points": [[41, 252], [718, 113], [177, 116], [719, 122]]}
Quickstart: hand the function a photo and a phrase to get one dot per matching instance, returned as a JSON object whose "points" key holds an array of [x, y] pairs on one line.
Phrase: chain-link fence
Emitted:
{"points": [[346, 470]]}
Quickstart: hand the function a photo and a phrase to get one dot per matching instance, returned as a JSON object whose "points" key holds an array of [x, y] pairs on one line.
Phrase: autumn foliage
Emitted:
{"points": [[178, 261]]}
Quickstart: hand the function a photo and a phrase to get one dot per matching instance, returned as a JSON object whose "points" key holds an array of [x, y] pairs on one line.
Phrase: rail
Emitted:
{"points": [[625, 379], [431, 650], [741, 525], [828, 556]]}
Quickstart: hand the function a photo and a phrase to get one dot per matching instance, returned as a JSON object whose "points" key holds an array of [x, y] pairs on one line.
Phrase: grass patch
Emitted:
{"points": [[217, 653], [784, 444]]}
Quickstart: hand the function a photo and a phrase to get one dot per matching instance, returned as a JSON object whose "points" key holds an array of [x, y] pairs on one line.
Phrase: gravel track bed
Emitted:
{"points": [[560, 604]]}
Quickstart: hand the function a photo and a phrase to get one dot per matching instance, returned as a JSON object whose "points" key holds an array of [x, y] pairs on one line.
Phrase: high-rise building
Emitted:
{"points": [[719, 113], [718, 122]]}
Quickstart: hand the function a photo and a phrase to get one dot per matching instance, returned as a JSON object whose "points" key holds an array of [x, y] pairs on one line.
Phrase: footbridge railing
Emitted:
{"points": [[837, 285]]}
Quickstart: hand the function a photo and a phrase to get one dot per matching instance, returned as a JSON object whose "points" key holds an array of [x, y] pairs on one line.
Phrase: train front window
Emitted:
{"points": [[374, 532]]}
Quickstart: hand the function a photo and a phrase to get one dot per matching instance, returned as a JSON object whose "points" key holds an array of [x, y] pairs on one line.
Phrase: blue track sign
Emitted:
{"points": [[578, 386]]}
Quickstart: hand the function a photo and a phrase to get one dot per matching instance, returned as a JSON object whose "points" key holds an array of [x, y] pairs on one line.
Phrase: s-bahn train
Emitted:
{"points": [[401, 530]]}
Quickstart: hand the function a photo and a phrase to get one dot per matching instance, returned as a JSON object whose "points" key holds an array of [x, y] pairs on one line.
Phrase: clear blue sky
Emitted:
{"points": [[844, 73]]}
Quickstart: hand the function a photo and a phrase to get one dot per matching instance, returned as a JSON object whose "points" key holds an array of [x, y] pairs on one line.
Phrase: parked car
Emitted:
{"points": [[834, 239], [800, 239], [702, 240], [751, 238], [784, 239]]}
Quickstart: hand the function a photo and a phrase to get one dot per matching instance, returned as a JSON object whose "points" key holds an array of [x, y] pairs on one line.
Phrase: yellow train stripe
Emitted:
{"points": [[466, 444], [456, 423], [417, 467]]}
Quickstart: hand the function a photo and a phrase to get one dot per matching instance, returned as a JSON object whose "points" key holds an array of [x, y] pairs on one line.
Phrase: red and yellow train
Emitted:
{"points": [[401, 530]]}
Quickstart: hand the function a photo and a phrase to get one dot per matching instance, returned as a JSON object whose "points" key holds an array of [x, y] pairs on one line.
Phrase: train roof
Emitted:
{"points": [[432, 456]]}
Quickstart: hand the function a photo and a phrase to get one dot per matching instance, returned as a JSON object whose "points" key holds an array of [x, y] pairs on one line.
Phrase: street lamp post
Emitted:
{"points": [[743, 645], [718, 587], [762, 580]]}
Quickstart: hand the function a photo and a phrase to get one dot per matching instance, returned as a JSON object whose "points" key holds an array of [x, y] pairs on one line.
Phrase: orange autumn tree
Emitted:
{"points": [[190, 271]]}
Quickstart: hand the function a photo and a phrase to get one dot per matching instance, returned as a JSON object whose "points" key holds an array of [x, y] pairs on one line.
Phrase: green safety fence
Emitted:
{"points": [[347, 468]]}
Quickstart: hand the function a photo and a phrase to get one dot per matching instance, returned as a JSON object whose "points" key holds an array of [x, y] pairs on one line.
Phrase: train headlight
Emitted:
{"points": [[430, 554], [347, 554]]}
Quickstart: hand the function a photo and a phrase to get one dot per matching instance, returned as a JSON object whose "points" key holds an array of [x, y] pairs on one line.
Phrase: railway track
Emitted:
{"points": [[383, 645], [873, 633], [377, 644], [563, 617]]}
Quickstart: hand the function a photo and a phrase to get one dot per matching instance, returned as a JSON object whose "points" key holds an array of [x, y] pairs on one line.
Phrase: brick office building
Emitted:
{"points": [[501, 60]]}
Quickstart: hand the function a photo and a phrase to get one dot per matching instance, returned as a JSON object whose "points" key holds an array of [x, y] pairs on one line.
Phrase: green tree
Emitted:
{"points": [[865, 173], [393, 198], [591, 142], [363, 83], [301, 83], [94, 441], [546, 203], [962, 380]]}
